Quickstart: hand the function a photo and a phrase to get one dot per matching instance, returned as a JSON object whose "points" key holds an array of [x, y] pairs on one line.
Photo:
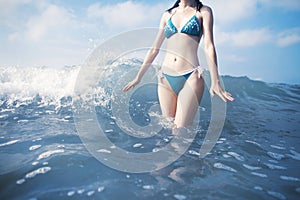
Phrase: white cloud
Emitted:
{"points": [[13, 37], [288, 37], [7, 7], [227, 12], [53, 19], [10, 11], [245, 38], [289, 40], [231, 11], [50, 35], [123, 14], [127, 14]]}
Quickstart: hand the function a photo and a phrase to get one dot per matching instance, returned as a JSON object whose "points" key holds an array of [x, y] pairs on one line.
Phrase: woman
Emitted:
{"points": [[181, 87]]}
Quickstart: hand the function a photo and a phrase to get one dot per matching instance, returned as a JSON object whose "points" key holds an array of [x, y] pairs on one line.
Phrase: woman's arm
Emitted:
{"points": [[150, 56], [212, 56]]}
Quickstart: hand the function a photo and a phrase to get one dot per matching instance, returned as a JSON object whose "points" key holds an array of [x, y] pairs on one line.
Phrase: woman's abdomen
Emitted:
{"points": [[181, 54]]}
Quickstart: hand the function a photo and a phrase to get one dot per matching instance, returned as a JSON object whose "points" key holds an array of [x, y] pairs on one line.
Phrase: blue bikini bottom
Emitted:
{"points": [[177, 82]]}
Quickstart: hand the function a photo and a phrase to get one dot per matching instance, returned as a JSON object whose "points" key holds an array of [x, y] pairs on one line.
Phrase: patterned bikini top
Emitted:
{"points": [[192, 27]]}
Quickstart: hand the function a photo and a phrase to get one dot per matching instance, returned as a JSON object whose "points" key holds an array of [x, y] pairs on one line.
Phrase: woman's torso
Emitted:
{"points": [[182, 45]]}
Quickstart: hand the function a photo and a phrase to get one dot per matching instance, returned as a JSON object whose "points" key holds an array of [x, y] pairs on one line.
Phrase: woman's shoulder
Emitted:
{"points": [[167, 14], [205, 12], [205, 9], [164, 18]]}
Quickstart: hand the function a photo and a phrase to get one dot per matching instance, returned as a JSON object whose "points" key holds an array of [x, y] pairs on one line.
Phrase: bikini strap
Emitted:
{"points": [[174, 11]]}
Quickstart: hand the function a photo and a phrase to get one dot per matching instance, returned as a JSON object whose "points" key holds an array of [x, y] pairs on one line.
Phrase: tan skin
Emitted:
{"points": [[182, 56]]}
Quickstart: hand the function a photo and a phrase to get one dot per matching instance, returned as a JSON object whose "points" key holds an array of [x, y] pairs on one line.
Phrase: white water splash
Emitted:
{"points": [[90, 193], [258, 188], [277, 147], [24, 83], [148, 187], [225, 167], [179, 197], [21, 181], [276, 156], [259, 174], [252, 142], [42, 170], [236, 156], [289, 178], [272, 166], [193, 152], [294, 154], [71, 193], [137, 145], [49, 153], [9, 143], [103, 151], [251, 167], [34, 147], [277, 195], [100, 188]]}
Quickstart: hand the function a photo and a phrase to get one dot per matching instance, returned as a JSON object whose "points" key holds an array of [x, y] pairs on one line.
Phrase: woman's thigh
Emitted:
{"points": [[167, 98], [188, 100]]}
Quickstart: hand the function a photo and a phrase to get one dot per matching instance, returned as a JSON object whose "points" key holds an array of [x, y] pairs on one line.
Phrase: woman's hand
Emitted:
{"points": [[217, 89], [131, 84]]}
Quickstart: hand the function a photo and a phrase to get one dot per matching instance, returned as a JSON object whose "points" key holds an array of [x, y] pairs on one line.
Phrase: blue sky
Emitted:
{"points": [[255, 38]]}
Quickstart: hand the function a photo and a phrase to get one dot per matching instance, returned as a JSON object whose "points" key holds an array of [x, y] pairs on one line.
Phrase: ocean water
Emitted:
{"points": [[42, 156]]}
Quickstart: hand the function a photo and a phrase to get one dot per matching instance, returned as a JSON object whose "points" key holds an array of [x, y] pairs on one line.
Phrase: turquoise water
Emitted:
{"points": [[42, 156]]}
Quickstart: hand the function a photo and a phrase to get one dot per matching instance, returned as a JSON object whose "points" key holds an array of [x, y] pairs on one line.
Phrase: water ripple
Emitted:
{"points": [[276, 156], [236, 156], [41, 170], [259, 174], [289, 178], [34, 147], [277, 195], [294, 154], [49, 153], [251, 167], [225, 167], [9, 143], [272, 166]]}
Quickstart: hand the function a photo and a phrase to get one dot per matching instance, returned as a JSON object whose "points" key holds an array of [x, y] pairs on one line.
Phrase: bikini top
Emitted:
{"points": [[192, 27]]}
